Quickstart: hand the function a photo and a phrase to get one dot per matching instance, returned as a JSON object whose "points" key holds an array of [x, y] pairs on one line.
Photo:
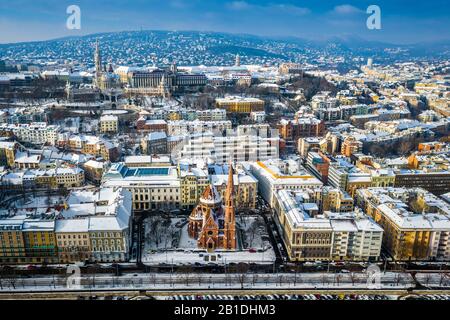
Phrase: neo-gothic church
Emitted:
{"points": [[213, 222]]}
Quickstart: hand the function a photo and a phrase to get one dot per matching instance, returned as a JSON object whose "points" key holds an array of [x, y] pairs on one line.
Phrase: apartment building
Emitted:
{"points": [[7, 153], [304, 145], [154, 143], [235, 148], [193, 182], [12, 242], [318, 164], [336, 200], [292, 130], [351, 146], [416, 223], [62, 177], [109, 123], [277, 174], [211, 115], [25, 160], [94, 170], [245, 187], [72, 236], [434, 180], [38, 133], [329, 236], [96, 226], [183, 127], [39, 240], [152, 125], [94, 145]]}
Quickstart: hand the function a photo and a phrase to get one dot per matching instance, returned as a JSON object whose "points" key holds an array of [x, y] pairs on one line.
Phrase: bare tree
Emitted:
{"points": [[186, 273], [324, 279], [155, 231], [251, 232], [254, 279], [10, 277], [153, 279], [242, 269], [397, 279], [427, 279], [337, 279], [1, 278], [352, 276], [280, 280], [298, 278], [199, 279], [442, 278]]}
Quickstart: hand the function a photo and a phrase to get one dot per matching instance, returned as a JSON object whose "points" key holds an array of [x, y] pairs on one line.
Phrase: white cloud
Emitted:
{"points": [[239, 5], [284, 8], [178, 4], [293, 9], [346, 9]]}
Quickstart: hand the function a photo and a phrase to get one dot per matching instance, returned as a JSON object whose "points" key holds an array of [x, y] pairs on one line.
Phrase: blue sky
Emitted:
{"points": [[403, 21]]}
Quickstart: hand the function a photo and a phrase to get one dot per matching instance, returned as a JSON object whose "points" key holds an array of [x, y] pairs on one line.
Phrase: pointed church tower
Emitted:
{"points": [[174, 68], [229, 228]]}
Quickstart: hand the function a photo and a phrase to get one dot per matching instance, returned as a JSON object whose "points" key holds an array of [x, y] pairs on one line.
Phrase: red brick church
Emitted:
{"points": [[212, 222]]}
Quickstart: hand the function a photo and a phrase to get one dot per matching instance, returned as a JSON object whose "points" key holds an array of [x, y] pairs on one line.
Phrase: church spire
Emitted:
{"points": [[229, 193], [229, 230]]}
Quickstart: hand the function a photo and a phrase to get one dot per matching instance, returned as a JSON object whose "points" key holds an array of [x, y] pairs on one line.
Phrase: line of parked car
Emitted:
{"points": [[429, 297], [283, 297]]}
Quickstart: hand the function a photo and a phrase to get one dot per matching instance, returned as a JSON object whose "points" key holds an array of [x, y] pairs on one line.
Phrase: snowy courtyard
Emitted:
{"points": [[167, 241]]}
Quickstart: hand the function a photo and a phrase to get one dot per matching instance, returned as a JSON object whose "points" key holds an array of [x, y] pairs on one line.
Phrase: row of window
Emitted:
{"points": [[107, 249], [145, 197], [79, 236]]}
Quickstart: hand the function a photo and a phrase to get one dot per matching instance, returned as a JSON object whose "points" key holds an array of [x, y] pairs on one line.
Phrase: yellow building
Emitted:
{"points": [[174, 116], [94, 170], [192, 184], [7, 152], [426, 87], [383, 178], [416, 223], [59, 178], [40, 242], [304, 241], [358, 181], [73, 241], [45, 180], [109, 124], [69, 177], [95, 146], [245, 189], [12, 245], [240, 104], [336, 200], [27, 240], [108, 245], [379, 177]]}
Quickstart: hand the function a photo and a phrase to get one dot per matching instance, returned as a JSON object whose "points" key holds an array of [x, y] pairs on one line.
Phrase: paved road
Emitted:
{"points": [[156, 281]]}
